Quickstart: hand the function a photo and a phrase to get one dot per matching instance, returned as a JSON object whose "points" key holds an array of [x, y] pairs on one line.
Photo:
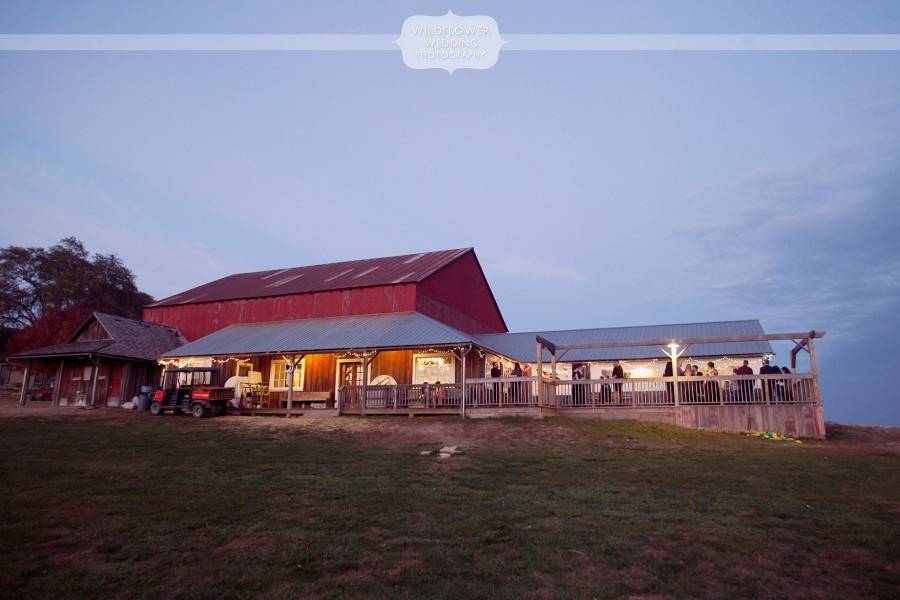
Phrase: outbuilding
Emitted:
{"points": [[104, 363]]}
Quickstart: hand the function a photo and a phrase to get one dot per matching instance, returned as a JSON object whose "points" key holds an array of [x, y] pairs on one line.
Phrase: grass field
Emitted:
{"points": [[116, 504]]}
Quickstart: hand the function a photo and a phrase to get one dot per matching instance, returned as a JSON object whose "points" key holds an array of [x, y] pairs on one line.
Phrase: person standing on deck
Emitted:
{"points": [[746, 386], [618, 373], [495, 374], [514, 388], [577, 388], [765, 369], [712, 387], [786, 383], [670, 387]]}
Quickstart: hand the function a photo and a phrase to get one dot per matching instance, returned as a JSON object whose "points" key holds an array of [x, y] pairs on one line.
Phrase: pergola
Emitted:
{"points": [[670, 347]]}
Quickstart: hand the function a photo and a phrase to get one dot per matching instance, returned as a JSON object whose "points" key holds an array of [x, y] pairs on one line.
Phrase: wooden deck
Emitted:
{"points": [[787, 404], [283, 412]]}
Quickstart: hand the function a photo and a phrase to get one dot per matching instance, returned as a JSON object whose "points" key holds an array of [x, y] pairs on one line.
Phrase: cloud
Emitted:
{"points": [[819, 245]]}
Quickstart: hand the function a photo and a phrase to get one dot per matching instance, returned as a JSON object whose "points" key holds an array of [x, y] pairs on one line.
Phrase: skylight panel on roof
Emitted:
{"points": [[271, 275], [399, 279], [341, 274], [285, 280], [413, 259], [366, 272]]}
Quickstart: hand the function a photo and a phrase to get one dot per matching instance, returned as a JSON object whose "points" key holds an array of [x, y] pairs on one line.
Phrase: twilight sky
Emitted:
{"points": [[599, 189]]}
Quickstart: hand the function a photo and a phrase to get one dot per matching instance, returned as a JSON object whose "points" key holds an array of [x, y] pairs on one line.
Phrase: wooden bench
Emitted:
{"points": [[308, 399]]}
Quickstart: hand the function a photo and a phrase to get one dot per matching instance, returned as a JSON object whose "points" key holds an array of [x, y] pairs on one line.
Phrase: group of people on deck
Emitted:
{"points": [[741, 389]]}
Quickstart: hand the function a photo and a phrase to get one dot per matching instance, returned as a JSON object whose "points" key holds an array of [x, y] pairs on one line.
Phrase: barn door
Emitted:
{"points": [[349, 373], [114, 386]]}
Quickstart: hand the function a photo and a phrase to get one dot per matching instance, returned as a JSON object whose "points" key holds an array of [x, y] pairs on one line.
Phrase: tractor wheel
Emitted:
{"points": [[198, 410], [156, 408]]}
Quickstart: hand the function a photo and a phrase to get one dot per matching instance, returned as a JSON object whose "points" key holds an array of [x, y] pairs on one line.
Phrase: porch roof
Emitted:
{"points": [[521, 346], [381, 331]]}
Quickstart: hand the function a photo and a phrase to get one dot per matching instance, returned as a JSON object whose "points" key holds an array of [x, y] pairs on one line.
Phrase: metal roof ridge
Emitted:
{"points": [[338, 262], [538, 331]]}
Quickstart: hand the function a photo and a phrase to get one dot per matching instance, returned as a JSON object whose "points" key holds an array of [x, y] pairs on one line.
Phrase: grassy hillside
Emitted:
{"points": [[119, 504]]}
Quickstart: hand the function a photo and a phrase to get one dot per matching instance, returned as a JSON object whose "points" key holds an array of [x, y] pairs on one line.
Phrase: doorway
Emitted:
{"points": [[349, 372]]}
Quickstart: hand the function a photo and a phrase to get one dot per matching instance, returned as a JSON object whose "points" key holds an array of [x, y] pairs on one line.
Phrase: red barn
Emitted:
{"points": [[422, 334], [448, 286]]}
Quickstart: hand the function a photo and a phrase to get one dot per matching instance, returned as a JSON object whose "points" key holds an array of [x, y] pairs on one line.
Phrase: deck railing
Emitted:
{"points": [[660, 391], [501, 391], [647, 392], [400, 397]]}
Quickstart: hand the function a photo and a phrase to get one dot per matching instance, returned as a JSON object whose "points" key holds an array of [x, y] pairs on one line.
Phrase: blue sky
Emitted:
{"points": [[598, 189]]}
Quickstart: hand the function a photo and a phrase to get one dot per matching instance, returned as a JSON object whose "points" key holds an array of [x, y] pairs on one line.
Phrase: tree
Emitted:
{"points": [[45, 290]]}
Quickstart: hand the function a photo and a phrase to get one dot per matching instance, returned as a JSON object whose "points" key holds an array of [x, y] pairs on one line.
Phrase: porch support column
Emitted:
{"points": [[811, 345], [23, 394], [672, 352], [367, 360], [294, 360], [539, 349], [96, 375], [58, 384], [462, 385]]}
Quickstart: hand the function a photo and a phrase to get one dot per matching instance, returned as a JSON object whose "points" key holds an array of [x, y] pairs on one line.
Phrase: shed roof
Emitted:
{"points": [[408, 268], [391, 330], [128, 338], [521, 346]]}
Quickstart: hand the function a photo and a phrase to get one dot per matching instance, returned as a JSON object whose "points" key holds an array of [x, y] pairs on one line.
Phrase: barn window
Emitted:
{"points": [[243, 368], [433, 368], [278, 379]]}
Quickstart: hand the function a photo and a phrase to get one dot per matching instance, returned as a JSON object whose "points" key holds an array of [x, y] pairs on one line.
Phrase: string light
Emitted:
{"points": [[176, 362]]}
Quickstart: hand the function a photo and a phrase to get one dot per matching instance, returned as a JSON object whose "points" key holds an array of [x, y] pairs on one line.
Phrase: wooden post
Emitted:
{"points": [[58, 384], [675, 379], [674, 355], [289, 375], [365, 385], [462, 400], [94, 377], [811, 346], [540, 372], [23, 394]]}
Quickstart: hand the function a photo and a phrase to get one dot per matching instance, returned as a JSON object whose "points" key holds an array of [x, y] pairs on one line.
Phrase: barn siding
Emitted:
{"points": [[197, 320], [459, 295], [396, 363]]}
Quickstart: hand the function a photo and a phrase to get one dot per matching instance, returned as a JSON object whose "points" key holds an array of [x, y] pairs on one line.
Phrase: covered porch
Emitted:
{"points": [[409, 364]]}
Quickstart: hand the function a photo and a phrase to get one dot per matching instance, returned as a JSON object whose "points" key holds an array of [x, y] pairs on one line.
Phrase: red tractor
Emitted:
{"points": [[191, 389]]}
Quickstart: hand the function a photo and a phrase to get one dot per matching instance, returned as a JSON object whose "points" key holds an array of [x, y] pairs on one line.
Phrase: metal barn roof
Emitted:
{"points": [[409, 268], [521, 346], [415, 330], [392, 330]]}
